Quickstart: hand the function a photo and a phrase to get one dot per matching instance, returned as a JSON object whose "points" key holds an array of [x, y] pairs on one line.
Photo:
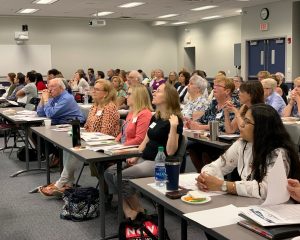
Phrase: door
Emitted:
{"points": [[189, 58], [267, 54]]}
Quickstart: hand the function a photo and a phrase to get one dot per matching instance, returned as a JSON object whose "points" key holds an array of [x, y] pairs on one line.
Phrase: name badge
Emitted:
{"points": [[219, 115], [152, 125], [134, 120], [99, 113]]}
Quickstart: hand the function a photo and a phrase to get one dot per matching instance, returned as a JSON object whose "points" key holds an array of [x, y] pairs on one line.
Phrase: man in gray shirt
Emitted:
{"points": [[29, 90]]}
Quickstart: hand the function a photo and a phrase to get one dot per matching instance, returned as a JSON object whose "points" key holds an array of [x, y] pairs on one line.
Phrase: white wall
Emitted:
{"points": [[214, 44], [121, 44], [280, 25]]}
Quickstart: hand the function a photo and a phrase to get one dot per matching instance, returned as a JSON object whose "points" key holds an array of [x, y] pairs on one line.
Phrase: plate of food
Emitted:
{"points": [[195, 198]]}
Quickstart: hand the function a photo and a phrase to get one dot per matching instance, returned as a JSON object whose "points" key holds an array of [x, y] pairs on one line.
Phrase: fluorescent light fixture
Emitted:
{"points": [[168, 15], [239, 11], [44, 1], [243, 0], [179, 23], [101, 14], [211, 17], [131, 4], [159, 23], [27, 10], [204, 8]]}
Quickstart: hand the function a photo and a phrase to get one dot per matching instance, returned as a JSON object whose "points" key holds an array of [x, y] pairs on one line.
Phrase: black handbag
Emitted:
{"points": [[81, 204]]}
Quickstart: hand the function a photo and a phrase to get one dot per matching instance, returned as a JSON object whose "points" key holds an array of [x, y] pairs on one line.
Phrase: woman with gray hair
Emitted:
{"points": [[197, 103], [271, 97]]}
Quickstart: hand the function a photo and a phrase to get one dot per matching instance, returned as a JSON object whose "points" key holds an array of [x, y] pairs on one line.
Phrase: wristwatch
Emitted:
{"points": [[224, 186]]}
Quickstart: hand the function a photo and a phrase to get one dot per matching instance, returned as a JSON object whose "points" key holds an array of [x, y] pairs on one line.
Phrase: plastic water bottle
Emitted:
{"points": [[86, 98], [289, 94], [160, 168]]}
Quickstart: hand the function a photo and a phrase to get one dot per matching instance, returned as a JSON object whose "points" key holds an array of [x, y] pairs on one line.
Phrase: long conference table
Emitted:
{"points": [[64, 141], [178, 207], [23, 125]]}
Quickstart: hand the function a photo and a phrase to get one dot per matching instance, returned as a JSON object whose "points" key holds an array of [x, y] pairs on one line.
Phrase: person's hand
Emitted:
{"points": [[173, 120], [132, 161], [45, 95], [194, 125], [229, 106], [206, 182], [294, 189]]}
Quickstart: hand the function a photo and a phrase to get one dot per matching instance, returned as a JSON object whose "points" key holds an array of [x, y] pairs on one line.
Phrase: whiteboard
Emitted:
{"points": [[24, 58]]}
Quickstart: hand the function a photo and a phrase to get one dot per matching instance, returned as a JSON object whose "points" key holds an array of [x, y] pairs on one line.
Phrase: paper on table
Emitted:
{"points": [[13, 103], [227, 215], [188, 181], [277, 182]]}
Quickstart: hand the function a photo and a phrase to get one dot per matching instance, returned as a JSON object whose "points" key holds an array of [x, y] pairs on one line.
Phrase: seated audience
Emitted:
{"points": [[110, 73], [262, 75], [253, 155], [272, 98], [197, 103], [173, 79], [183, 79], [78, 83], [29, 90], [40, 85], [282, 84], [20, 83], [251, 92], [53, 73], [11, 78], [158, 80], [59, 105], [91, 76], [165, 130], [104, 118], [223, 88], [100, 75], [278, 88], [293, 108], [118, 85]]}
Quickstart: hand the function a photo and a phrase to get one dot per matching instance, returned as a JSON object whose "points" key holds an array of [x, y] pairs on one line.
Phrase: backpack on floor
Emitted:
{"points": [[144, 227], [21, 154], [81, 204]]}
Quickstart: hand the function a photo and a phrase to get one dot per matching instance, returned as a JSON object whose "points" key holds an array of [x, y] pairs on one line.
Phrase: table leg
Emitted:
{"points": [[61, 160], [101, 199], [120, 197], [39, 151], [183, 229], [26, 140], [161, 221], [47, 161]]}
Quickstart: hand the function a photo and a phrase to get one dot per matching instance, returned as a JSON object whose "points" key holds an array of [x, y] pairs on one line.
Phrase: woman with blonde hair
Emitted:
{"points": [[293, 107], [104, 118], [118, 85], [165, 130]]}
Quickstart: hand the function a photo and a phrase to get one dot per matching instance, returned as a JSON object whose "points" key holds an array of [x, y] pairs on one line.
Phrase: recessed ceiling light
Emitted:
{"points": [[44, 1], [168, 15], [158, 23], [179, 23], [239, 11], [204, 8], [27, 10], [211, 17], [101, 14], [131, 4]]}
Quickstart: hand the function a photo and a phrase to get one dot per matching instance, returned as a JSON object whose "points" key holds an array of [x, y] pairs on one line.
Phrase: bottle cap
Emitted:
{"points": [[160, 148]]}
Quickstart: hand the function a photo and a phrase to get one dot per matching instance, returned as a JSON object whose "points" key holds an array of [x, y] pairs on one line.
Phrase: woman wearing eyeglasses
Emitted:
{"points": [[263, 138], [103, 117]]}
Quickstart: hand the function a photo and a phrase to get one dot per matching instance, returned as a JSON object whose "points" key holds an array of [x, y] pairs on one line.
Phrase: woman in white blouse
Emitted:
{"points": [[263, 137], [78, 83]]}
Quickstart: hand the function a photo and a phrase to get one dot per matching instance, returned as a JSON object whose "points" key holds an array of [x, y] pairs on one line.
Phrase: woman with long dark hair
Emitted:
{"points": [[263, 138], [251, 92]]}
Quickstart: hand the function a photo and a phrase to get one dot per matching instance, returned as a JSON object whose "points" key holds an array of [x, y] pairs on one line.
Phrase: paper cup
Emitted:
{"points": [[47, 123]]}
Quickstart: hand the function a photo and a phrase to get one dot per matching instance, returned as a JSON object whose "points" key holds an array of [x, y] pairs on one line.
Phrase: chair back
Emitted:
{"points": [[35, 101]]}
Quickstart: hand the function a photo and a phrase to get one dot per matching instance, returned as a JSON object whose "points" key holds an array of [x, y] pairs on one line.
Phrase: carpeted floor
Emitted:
{"points": [[25, 216]]}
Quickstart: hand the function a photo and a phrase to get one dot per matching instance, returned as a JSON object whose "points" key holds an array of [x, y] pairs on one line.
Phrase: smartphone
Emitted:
{"points": [[177, 193]]}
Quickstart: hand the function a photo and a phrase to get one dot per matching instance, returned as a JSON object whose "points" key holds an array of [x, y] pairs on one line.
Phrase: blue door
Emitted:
{"points": [[256, 57], [267, 54], [276, 55]]}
